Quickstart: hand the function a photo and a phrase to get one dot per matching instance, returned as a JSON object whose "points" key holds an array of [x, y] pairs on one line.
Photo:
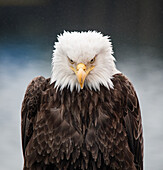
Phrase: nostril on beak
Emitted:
{"points": [[81, 66]]}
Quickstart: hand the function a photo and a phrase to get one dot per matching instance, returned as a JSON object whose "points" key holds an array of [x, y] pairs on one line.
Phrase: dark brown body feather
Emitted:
{"points": [[85, 130]]}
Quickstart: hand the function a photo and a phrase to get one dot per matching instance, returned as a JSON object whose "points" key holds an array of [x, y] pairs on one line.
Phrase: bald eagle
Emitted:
{"points": [[87, 115]]}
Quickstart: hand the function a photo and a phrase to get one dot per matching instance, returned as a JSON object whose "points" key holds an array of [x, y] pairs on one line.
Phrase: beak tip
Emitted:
{"points": [[81, 86]]}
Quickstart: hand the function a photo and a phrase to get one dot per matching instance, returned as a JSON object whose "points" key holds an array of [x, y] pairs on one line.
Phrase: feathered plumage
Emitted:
{"points": [[83, 125]]}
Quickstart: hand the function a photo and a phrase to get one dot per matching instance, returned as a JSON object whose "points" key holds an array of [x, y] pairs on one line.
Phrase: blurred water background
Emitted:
{"points": [[28, 30]]}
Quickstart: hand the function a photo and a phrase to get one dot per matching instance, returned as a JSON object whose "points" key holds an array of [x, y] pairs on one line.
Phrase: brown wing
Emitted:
{"points": [[30, 107], [132, 119], [46, 137]]}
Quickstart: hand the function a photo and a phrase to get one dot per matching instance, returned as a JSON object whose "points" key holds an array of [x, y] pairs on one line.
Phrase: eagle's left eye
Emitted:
{"points": [[92, 60]]}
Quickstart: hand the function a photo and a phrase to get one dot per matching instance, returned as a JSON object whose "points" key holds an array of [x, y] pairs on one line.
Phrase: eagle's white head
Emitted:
{"points": [[83, 59]]}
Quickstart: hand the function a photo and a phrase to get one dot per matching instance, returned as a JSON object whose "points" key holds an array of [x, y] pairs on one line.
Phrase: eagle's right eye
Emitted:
{"points": [[71, 61]]}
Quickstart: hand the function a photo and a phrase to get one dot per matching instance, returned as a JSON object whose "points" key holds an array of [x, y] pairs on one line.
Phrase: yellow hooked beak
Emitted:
{"points": [[81, 72]]}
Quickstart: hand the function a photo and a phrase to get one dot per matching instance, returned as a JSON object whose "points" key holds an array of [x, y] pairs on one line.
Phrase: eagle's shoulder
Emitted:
{"points": [[33, 94], [124, 90], [121, 79]]}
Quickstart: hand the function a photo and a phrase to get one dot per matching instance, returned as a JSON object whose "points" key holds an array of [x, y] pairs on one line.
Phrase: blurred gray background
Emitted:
{"points": [[28, 30]]}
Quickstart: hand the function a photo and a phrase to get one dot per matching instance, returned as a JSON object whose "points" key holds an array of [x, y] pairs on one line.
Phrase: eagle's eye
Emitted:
{"points": [[92, 60], [71, 61]]}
